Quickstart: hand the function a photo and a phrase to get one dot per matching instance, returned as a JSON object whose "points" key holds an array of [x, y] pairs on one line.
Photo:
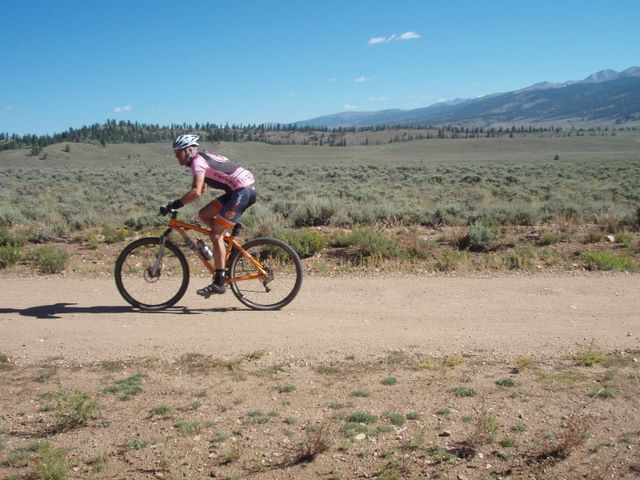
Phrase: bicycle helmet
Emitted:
{"points": [[184, 141]]}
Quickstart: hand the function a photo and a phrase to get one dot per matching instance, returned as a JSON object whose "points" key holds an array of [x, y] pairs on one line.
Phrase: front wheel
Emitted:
{"points": [[282, 282], [151, 274]]}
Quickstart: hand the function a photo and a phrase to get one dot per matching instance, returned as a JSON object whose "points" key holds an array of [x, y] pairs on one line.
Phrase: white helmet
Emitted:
{"points": [[184, 141]]}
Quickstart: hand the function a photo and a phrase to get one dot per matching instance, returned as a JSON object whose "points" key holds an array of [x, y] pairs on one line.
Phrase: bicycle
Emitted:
{"points": [[152, 273]]}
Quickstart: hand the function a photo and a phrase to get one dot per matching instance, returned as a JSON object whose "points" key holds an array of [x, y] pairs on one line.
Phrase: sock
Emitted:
{"points": [[219, 278]]}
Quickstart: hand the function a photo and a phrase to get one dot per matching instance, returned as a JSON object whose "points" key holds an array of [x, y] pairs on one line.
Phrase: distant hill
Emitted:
{"points": [[604, 99]]}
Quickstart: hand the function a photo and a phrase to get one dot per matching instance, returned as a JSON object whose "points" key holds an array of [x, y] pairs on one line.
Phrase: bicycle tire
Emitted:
{"points": [[134, 282], [284, 282]]}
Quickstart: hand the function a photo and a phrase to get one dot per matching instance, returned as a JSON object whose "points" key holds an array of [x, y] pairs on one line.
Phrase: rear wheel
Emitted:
{"points": [[149, 282], [282, 283]]}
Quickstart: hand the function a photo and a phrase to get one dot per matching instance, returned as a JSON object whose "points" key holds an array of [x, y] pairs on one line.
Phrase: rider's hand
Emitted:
{"points": [[176, 204]]}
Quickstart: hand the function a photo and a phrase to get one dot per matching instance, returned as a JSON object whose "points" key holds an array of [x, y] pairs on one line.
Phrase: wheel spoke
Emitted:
{"points": [[146, 287], [283, 280]]}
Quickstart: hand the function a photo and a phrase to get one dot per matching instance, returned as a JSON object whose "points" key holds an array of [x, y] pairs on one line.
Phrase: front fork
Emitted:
{"points": [[154, 270]]}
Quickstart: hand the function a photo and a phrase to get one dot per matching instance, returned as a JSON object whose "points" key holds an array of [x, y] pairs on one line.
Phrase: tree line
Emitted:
{"points": [[113, 131]]}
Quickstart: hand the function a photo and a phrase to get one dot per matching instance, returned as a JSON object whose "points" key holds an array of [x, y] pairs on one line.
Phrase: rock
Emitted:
{"points": [[444, 433], [360, 436]]}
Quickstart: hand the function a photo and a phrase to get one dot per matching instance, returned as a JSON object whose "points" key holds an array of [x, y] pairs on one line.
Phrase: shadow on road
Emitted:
{"points": [[55, 310]]}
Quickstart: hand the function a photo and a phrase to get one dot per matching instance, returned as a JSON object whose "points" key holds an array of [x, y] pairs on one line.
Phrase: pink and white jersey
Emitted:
{"points": [[220, 172]]}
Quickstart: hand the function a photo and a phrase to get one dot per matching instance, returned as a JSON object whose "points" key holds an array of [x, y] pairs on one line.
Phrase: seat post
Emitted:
{"points": [[236, 229]]}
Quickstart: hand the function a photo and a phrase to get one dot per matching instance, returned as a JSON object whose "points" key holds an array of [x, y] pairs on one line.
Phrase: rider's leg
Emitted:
{"points": [[221, 215], [218, 225]]}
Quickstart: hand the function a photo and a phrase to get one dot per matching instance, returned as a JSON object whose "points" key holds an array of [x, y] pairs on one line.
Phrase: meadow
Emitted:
{"points": [[405, 202]]}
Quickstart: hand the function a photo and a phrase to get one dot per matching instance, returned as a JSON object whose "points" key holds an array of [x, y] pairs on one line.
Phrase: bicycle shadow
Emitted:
{"points": [[54, 311]]}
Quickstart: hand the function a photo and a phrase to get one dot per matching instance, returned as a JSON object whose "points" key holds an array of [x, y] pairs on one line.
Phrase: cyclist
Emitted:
{"points": [[221, 214]]}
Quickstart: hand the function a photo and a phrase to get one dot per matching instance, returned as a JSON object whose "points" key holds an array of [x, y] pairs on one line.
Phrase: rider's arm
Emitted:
{"points": [[197, 188]]}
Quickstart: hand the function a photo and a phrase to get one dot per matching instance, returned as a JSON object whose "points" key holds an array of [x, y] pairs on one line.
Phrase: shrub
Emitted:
{"points": [[43, 234], [464, 391], [604, 392], [263, 222], [396, 418], [508, 382], [361, 393], [522, 259], [508, 442], [285, 388], [113, 235], [75, 409], [51, 463], [10, 239], [372, 243], [188, 429], [313, 212], [548, 239], [305, 242], [516, 213], [9, 255], [449, 259], [589, 356], [9, 215], [479, 239], [389, 381], [593, 236], [128, 387], [624, 239], [341, 239], [608, 261], [413, 416], [139, 223], [362, 417], [51, 259]]}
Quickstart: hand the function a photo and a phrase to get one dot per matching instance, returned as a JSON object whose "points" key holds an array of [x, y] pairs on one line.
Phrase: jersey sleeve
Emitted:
{"points": [[198, 166]]}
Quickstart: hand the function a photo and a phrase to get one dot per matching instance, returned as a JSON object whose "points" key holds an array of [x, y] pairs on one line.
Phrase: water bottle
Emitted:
{"points": [[205, 250]]}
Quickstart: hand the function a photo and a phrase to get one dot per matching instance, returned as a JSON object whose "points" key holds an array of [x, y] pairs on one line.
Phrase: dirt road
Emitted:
{"points": [[85, 320]]}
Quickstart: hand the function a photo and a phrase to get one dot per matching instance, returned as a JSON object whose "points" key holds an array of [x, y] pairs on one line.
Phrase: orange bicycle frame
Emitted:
{"points": [[182, 227]]}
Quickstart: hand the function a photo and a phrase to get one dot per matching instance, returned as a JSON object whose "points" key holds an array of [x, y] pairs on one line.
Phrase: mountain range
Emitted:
{"points": [[604, 99]]}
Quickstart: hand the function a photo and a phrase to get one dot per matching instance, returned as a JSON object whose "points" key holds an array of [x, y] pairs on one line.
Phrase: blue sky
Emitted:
{"points": [[73, 63]]}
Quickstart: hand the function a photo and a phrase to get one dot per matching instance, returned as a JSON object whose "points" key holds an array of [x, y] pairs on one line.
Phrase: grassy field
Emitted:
{"points": [[475, 195]]}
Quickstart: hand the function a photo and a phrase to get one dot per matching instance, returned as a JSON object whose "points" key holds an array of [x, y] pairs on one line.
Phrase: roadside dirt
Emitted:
{"points": [[86, 320], [386, 377]]}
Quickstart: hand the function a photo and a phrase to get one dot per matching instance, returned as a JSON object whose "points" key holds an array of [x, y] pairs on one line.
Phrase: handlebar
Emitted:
{"points": [[164, 211]]}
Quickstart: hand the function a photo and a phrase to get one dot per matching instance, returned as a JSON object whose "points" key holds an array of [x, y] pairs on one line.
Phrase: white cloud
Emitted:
{"points": [[409, 36], [362, 79], [376, 40], [394, 37], [332, 79], [378, 99], [123, 109], [349, 106]]}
